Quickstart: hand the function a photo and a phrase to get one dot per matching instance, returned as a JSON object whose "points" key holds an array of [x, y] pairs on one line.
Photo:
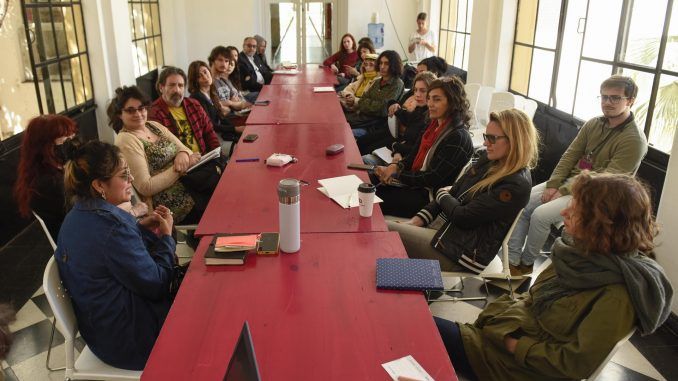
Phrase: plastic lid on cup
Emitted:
{"points": [[366, 188]]}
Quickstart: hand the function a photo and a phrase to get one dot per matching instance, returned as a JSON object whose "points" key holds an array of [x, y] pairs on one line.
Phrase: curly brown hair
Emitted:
{"points": [[613, 214], [458, 106]]}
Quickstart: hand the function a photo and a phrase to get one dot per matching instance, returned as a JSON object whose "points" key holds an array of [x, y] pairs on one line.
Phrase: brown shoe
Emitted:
{"points": [[515, 270], [525, 269]]}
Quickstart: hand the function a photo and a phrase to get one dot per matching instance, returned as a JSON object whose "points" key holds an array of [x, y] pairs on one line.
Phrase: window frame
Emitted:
{"points": [[44, 64], [616, 64], [452, 33], [136, 39]]}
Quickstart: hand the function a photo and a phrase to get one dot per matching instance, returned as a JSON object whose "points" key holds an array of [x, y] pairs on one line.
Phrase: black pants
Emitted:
{"points": [[449, 332], [401, 202]]}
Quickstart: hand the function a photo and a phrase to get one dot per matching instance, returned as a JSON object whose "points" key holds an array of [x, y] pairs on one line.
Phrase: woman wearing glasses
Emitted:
{"points": [[437, 157], [156, 158], [116, 270], [350, 96], [601, 285], [478, 210]]}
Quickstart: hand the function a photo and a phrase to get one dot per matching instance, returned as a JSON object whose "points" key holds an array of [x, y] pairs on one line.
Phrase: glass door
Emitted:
{"points": [[301, 30]]}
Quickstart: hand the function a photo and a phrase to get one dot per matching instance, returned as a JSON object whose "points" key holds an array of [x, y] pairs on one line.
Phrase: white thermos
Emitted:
{"points": [[289, 215]]}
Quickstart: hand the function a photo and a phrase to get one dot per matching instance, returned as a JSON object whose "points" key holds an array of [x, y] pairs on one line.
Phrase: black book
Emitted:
{"points": [[213, 257]]}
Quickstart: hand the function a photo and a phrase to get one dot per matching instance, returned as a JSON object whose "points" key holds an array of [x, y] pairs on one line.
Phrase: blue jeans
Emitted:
{"points": [[358, 132], [534, 226], [449, 332]]}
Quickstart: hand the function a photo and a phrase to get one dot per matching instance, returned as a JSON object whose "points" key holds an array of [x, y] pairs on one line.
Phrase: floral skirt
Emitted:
{"points": [[177, 199]]}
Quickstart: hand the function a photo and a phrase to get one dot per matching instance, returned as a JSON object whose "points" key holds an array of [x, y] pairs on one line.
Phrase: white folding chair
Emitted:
{"points": [[87, 366], [614, 350], [482, 109], [44, 228], [503, 100], [530, 107], [504, 275]]}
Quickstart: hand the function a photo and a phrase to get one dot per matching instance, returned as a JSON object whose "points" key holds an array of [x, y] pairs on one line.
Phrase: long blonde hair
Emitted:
{"points": [[523, 150]]}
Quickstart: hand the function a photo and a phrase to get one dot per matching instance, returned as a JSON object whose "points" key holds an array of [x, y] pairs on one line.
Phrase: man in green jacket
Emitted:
{"points": [[609, 143]]}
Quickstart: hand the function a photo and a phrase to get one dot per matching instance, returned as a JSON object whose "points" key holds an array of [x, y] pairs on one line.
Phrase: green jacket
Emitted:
{"points": [[375, 99], [567, 341], [621, 153]]}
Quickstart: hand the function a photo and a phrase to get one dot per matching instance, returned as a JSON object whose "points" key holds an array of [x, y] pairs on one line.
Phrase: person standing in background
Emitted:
{"points": [[423, 41]]}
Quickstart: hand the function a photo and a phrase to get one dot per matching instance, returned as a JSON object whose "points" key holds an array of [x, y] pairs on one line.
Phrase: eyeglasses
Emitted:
{"points": [[368, 63], [126, 175], [132, 110], [251, 45], [493, 138], [614, 99]]}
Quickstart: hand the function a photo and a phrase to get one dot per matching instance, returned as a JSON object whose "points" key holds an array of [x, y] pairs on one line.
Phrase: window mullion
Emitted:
{"points": [[553, 99]]}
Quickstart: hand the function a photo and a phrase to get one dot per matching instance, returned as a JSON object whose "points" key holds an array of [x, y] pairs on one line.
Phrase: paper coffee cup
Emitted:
{"points": [[366, 199]]}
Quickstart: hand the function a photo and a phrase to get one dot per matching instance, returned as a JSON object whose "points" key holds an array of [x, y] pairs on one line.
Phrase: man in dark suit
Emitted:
{"points": [[251, 73]]}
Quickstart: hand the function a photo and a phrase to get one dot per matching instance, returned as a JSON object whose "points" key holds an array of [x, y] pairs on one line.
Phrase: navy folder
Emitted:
{"points": [[408, 274]]}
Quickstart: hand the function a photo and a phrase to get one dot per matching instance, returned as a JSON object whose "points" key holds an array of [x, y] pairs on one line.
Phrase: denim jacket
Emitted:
{"points": [[117, 274]]}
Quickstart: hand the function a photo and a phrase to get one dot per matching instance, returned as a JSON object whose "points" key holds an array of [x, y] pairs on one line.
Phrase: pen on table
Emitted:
{"points": [[247, 160]]}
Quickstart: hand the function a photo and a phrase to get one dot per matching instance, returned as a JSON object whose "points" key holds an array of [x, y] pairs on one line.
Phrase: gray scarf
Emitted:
{"points": [[645, 281]]}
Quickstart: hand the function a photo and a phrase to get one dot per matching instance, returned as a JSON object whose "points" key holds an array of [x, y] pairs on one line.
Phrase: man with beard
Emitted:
{"points": [[611, 143], [184, 117]]}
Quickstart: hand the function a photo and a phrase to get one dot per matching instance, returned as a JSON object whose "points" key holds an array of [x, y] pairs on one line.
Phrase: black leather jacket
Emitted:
{"points": [[476, 224]]}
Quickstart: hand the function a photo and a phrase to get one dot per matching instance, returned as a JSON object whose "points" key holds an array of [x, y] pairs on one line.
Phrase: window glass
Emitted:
{"points": [[520, 72], [547, 24], [542, 63], [645, 31], [527, 10], [665, 117], [602, 26], [591, 75]]}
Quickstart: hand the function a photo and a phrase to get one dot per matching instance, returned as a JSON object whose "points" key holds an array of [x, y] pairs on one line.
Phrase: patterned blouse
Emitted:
{"points": [[160, 156]]}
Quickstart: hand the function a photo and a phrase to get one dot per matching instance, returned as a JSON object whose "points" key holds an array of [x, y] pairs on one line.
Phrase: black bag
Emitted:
{"points": [[204, 179]]}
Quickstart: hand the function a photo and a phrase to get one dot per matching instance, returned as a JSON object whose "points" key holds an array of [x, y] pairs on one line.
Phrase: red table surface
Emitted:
{"points": [[314, 315], [246, 199], [293, 104], [310, 74]]}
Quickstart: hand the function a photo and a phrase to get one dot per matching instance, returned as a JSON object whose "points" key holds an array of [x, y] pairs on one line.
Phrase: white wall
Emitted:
{"points": [[668, 223], [404, 14], [492, 31]]}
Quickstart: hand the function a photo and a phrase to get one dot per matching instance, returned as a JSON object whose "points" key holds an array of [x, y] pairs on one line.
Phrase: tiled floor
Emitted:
{"points": [[643, 358]]}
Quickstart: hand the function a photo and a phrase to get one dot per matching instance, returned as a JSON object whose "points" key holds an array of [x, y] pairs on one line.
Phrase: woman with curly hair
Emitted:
{"points": [[601, 285], [438, 156]]}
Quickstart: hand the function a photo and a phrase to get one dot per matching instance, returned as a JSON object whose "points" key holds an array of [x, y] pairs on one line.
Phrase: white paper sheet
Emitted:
{"points": [[343, 190], [406, 367], [384, 154], [323, 89]]}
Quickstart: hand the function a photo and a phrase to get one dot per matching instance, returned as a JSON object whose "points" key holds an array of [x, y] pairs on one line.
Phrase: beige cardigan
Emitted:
{"points": [[132, 149]]}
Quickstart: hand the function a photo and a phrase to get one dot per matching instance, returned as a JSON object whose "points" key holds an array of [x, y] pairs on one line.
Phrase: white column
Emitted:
{"points": [[668, 222], [109, 43]]}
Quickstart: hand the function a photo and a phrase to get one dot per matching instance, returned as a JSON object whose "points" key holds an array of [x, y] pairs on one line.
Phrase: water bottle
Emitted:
{"points": [[289, 215]]}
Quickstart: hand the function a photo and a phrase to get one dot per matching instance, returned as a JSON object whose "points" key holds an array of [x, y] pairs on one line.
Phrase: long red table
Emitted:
{"points": [[294, 104], [246, 199], [309, 74], [314, 315]]}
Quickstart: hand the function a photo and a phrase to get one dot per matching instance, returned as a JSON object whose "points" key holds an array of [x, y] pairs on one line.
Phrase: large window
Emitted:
{"points": [[455, 31], [58, 55], [146, 35], [564, 49]]}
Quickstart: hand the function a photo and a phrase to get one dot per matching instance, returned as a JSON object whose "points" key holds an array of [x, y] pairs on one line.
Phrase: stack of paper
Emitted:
{"points": [[236, 243], [343, 190], [323, 89]]}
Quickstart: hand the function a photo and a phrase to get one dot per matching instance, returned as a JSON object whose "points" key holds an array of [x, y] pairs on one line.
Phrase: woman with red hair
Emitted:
{"points": [[40, 180], [343, 61]]}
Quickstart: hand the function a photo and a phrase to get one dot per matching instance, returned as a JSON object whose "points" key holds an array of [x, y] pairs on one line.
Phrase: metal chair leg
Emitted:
{"points": [[49, 349]]}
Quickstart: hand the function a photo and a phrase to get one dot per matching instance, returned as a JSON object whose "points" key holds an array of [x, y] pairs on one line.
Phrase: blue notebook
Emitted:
{"points": [[408, 274]]}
